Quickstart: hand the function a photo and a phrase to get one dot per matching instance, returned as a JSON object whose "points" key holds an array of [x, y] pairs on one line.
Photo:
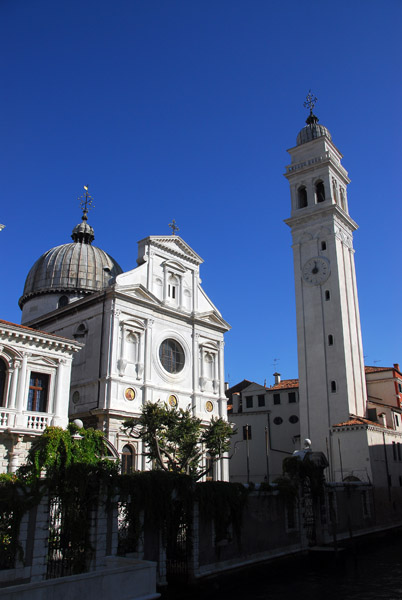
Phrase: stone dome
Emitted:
{"points": [[75, 268], [312, 131]]}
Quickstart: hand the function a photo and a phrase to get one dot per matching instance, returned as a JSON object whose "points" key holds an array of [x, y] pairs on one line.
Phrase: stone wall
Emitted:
{"points": [[271, 526]]}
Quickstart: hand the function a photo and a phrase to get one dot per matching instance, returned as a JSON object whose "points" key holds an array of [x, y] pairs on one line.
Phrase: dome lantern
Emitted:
{"points": [[312, 130]]}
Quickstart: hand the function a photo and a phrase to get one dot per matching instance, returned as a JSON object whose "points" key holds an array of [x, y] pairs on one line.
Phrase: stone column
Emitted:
{"points": [[165, 283], [222, 413], [140, 355], [21, 403], [148, 358], [150, 269], [180, 298], [195, 292], [60, 412], [112, 351], [39, 555], [196, 337], [15, 371]]}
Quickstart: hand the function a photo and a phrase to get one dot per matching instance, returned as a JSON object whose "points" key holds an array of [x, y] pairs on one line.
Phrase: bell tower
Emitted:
{"points": [[330, 355]]}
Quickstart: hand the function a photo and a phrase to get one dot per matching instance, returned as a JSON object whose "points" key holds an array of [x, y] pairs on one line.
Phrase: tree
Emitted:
{"points": [[58, 451], [178, 441]]}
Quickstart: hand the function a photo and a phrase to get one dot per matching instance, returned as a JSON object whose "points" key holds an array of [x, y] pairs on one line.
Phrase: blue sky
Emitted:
{"points": [[184, 109]]}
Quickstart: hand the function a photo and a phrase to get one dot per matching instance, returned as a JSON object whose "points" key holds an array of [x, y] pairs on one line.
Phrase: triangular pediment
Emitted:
{"points": [[213, 318], [138, 291], [176, 247], [42, 360]]}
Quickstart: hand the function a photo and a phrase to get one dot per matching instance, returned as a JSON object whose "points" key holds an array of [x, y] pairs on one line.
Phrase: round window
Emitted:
{"points": [[293, 419], [171, 355], [278, 420]]}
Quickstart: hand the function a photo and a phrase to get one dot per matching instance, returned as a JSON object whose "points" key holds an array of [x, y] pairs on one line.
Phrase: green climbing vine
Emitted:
{"points": [[69, 465], [72, 466]]}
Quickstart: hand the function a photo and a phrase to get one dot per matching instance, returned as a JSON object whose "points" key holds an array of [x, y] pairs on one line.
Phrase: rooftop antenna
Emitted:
{"points": [[275, 363], [173, 227], [376, 361]]}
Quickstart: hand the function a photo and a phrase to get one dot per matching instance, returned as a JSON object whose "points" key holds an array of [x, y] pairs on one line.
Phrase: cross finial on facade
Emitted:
{"points": [[310, 102], [173, 227], [86, 203]]}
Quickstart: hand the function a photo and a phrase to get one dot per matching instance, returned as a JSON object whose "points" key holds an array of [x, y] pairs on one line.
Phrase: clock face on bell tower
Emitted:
{"points": [[316, 270]]}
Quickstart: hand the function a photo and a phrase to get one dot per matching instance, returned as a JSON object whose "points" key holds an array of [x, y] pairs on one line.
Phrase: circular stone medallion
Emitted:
{"points": [[209, 407]]}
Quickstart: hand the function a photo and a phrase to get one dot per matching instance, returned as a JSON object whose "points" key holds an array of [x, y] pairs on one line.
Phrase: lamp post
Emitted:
{"points": [[248, 453], [266, 451]]}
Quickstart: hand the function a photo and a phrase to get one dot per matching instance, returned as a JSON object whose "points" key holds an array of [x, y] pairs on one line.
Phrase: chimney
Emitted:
{"points": [[396, 366], [277, 378], [226, 385], [382, 419]]}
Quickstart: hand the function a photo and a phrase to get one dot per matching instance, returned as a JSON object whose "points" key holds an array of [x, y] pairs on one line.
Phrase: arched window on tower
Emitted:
{"points": [[302, 197], [319, 192], [128, 460], [3, 378]]}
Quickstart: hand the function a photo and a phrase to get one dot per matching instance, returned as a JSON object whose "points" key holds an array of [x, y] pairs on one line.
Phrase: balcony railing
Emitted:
{"points": [[32, 421]]}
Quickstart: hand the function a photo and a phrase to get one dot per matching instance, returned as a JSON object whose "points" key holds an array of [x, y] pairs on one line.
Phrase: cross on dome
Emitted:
{"points": [[86, 203]]}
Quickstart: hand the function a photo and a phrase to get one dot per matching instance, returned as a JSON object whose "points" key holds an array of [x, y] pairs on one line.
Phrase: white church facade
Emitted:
{"points": [[148, 335]]}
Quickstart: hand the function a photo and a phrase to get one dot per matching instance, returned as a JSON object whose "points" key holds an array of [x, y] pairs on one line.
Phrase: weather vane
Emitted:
{"points": [[173, 227], [310, 102], [86, 202]]}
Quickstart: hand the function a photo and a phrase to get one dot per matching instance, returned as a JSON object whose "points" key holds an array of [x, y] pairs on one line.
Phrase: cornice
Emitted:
{"points": [[314, 214], [46, 340]]}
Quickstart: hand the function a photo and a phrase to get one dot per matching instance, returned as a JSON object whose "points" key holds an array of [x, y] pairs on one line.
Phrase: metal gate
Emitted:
{"points": [[178, 550], [308, 512], [68, 552]]}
